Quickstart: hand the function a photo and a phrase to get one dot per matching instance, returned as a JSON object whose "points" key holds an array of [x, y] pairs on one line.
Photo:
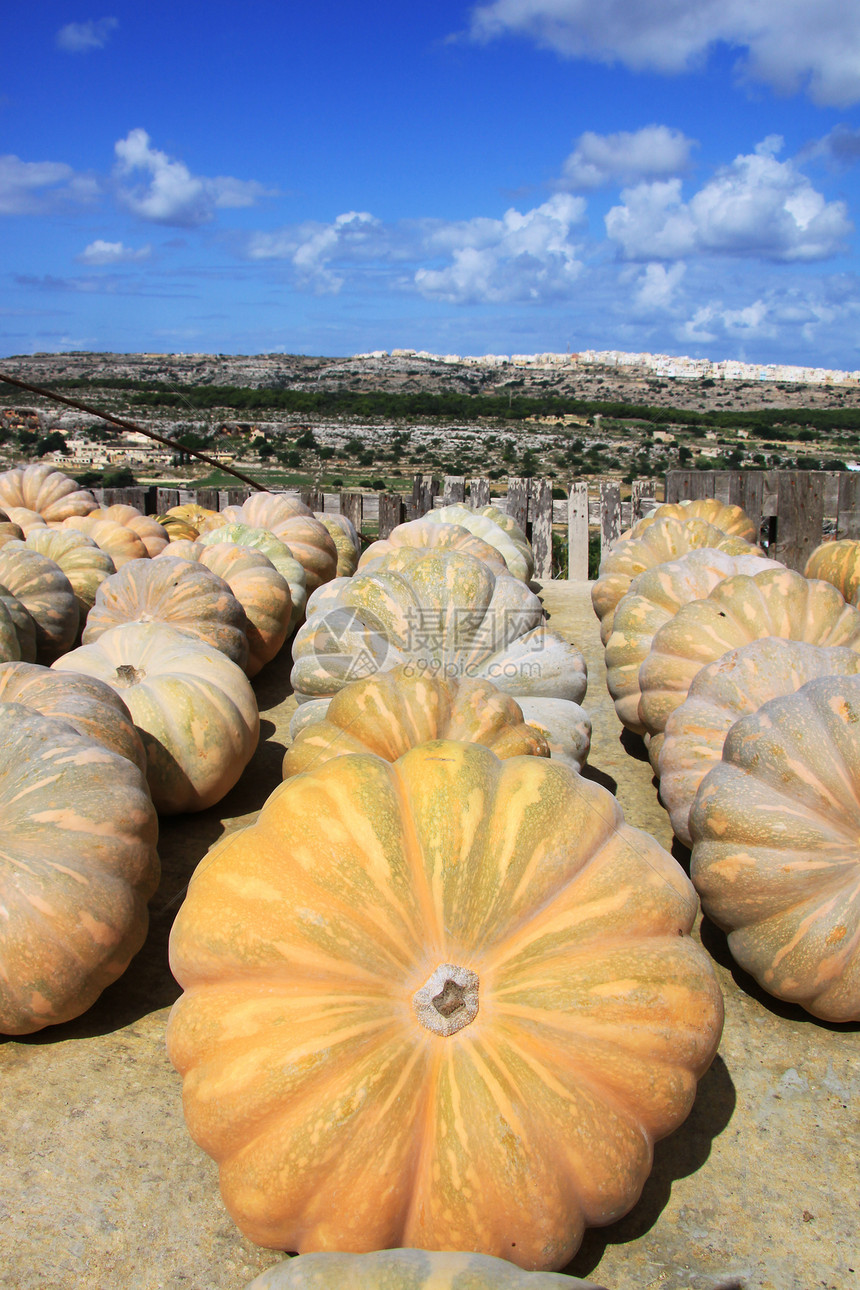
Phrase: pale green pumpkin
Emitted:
{"points": [[193, 707], [444, 614], [665, 539], [653, 598], [775, 858], [738, 683], [409, 1270], [740, 609]]}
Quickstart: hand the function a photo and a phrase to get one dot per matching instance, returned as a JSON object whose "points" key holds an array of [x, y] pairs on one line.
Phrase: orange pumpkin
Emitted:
{"points": [[446, 1003], [77, 868]]}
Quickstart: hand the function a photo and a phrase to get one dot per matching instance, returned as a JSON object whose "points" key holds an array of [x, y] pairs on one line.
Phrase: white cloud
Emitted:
{"points": [[170, 193], [313, 247], [757, 206], [80, 37], [789, 44], [657, 287], [654, 152], [33, 187], [520, 257], [100, 252]]}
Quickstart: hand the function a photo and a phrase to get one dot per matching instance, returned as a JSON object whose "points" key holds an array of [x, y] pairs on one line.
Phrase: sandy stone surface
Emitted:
{"points": [[101, 1186]]}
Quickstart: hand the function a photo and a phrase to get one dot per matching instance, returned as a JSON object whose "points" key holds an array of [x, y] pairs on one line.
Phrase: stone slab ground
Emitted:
{"points": [[101, 1186]]}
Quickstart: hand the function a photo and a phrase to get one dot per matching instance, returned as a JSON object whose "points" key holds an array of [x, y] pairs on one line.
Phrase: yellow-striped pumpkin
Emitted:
{"points": [[390, 712]]}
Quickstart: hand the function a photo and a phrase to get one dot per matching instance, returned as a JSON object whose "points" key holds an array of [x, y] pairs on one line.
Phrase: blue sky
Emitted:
{"points": [[513, 176]]}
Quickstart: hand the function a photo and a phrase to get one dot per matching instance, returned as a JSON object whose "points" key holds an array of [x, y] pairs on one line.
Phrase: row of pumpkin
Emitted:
{"points": [[744, 679], [439, 995]]}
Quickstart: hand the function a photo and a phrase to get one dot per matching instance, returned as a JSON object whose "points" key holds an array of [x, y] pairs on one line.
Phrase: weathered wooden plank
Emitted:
{"points": [[800, 513], [391, 512], [424, 490], [577, 533], [312, 497], [518, 501], [453, 489], [166, 499], [350, 506], [679, 484], [751, 486], [848, 505], [331, 503], [234, 497], [208, 497], [479, 493], [610, 515], [540, 507]]}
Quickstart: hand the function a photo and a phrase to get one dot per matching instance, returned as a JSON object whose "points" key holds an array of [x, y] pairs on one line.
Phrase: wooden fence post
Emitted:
{"points": [[166, 499], [577, 533], [312, 497], [518, 501], [453, 489], [391, 509], [800, 511], [848, 505], [610, 515], [479, 493], [208, 497], [350, 506], [424, 491], [540, 500]]}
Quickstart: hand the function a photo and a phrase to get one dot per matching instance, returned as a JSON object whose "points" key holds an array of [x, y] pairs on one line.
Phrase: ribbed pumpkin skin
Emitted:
{"points": [[153, 535], [837, 563], [23, 625], [447, 615], [191, 513], [504, 521], [307, 1073], [121, 542], [10, 532], [654, 597], [179, 593], [294, 523], [77, 869], [272, 547], [193, 708], [721, 693], [26, 519], [10, 646], [424, 535], [391, 712], [313, 547], [725, 516], [775, 827], [666, 539], [47, 595], [83, 562], [272, 606], [518, 555], [741, 609], [408, 1270], [346, 539], [93, 707], [263, 510], [45, 489]]}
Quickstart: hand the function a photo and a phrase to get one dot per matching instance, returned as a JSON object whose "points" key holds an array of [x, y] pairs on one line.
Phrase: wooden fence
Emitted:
{"points": [[794, 509]]}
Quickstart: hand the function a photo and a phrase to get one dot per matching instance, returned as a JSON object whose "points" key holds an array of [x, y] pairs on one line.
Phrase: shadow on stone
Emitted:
{"points": [[633, 745], [677, 1156], [600, 777]]}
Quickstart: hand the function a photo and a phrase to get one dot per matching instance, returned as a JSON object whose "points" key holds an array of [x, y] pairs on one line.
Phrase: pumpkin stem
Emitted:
{"points": [[127, 674], [448, 1000]]}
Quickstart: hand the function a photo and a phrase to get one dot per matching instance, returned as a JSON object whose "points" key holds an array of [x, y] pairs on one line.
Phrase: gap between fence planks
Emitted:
{"points": [[795, 510]]}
